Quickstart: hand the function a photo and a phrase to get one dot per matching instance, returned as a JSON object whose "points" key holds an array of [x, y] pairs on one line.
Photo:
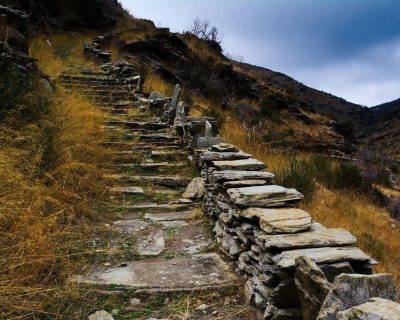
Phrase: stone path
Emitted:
{"points": [[167, 243]]}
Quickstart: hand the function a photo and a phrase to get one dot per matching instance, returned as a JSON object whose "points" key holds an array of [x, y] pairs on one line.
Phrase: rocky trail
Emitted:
{"points": [[172, 268]]}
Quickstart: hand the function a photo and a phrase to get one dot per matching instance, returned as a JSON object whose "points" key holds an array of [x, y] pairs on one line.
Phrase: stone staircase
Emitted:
{"points": [[170, 244]]}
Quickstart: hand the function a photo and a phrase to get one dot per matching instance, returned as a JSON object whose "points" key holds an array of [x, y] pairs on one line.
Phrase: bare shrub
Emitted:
{"points": [[203, 30]]}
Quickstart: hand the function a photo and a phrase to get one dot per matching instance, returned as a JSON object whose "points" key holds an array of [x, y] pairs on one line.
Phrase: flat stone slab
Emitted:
{"points": [[153, 244], [150, 165], [205, 142], [312, 239], [173, 224], [224, 147], [130, 226], [244, 164], [287, 259], [189, 272], [155, 206], [127, 190], [232, 175], [264, 196], [374, 309], [168, 216], [280, 220], [244, 183], [223, 156]]}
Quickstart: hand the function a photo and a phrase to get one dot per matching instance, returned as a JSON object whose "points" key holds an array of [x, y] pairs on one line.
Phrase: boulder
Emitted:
{"points": [[101, 315], [195, 190], [349, 290], [374, 309], [312, 286]]}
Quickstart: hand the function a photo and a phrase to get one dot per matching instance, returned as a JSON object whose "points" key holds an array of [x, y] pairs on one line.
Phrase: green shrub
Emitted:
{"points": [[348, 175], [299, 174]]}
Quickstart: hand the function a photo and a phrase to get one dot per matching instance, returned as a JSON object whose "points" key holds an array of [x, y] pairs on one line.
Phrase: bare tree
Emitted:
{"points": [[202, 29]]}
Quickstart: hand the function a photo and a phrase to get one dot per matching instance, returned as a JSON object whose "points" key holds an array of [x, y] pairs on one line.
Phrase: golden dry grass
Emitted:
{"points": [[61, 52], [50, 180], [155, 83], [378, 234]]}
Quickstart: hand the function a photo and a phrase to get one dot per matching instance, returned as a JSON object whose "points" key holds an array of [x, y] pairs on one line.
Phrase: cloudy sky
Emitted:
{"points": [[350, 48]]}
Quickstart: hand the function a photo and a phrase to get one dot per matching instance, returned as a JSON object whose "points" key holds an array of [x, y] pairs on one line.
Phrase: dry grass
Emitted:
{"points": [[61, 52], [155, 83], [377, 233], [50, 182]]}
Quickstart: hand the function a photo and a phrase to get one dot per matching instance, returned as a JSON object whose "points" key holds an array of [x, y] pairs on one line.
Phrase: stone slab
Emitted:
{"points": [[374, 309], [243, 165], [168, 216], [168, 181], [189, 272], [130, 226], [244, 183], [264, 196], [153, 244], [223, 156], [280, 220], [287, 259], [224, 147], [205, 142], [311, 239], [127, 190], [231, 175]]}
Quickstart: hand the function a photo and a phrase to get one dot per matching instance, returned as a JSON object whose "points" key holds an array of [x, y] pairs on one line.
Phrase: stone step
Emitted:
{"points": [[224, 156], [90, 78], [129, 145], [138, 124], [160, 165], [156, 207], [127, 190], [287, 259], [164, 181], [168, 216], [79, 87], [191, 272], [152, 137], [312, 239]]}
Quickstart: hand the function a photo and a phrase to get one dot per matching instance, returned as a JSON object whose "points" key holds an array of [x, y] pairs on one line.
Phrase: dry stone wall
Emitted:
{"points": [[289, 260]]}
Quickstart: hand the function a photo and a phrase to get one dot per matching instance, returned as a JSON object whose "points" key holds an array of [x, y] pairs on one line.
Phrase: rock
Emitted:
{"points": [[281, 220], [374, 309], [273, 313], [205, 142], [349, 290], [224, 147], [195, 189], [135, 302], [156, 96], [312, 239], [312, 286], [202, 307], [153, 245], [331, 271], [286, 259], [101, 315], [231, 175], [264, 196], [244, 165], [168, 216]]}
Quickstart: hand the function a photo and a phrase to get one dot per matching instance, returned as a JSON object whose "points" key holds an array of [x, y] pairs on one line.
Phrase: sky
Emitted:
{"points": [[350, 48]]}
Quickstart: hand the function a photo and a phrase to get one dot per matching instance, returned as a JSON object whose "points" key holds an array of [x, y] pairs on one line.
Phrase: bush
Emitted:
{"points": [[299, 174], [348, 175]]}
